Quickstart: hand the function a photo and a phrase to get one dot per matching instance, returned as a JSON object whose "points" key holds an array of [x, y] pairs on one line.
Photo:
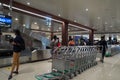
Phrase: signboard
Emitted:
{"points": [[5, 21]]}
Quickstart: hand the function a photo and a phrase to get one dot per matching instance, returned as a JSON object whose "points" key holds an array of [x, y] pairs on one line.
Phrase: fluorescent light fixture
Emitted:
{"points": [[79, 27], [32, 13], [28, 3], [86, 9], [16, 19]]}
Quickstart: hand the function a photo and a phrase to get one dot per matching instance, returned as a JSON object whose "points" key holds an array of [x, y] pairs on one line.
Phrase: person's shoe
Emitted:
{"points": [[102, 61], [16, 72], [10, 77]]}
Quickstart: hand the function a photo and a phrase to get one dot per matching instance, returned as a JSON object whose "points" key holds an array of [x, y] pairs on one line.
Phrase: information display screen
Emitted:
{"points": [[5, 21]]}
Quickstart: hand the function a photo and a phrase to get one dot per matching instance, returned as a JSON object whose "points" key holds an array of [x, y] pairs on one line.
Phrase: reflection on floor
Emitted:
{"points": [[110, 70]]}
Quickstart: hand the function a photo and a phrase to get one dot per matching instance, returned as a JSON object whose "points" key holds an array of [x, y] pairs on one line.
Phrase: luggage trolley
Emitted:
{"points": [[70, 61]]}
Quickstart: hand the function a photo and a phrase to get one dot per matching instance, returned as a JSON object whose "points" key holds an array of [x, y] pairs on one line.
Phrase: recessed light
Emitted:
{"points": [[106, 23], [75, 21], [98, 17], [111, 26], [16, 19], [59, 15], [28, 3], [86, 9], [35, 22], [24, 25], [59, 28]]}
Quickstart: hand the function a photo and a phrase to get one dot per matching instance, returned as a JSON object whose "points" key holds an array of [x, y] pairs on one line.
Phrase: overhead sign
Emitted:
{"points": [[5, 21]]}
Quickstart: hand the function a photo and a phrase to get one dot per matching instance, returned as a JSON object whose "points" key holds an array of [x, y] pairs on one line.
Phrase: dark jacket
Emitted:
{"points": [[103, 45], [18, 40]]}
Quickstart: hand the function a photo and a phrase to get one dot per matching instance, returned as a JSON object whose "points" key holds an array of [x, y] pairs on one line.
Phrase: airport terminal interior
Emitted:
{"points": [[60, 39]]}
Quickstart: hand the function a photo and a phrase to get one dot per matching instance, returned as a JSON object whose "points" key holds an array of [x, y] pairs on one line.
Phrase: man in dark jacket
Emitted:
{"points": [[103, 47]]}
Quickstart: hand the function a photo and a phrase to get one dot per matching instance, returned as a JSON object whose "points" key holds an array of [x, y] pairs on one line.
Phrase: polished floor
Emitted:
{"points": [[109, 70]]}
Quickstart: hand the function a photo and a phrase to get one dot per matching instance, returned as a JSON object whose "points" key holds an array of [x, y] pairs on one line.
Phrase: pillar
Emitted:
{"points": [[65, 33], [91, 37], [51, 36]]}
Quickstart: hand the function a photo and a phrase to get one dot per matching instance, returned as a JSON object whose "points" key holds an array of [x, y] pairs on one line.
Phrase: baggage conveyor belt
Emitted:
{"points": [[6, 57]]}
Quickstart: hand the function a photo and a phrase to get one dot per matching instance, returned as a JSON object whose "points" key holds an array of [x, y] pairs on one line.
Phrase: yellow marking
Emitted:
{"points": [[8, 68]]}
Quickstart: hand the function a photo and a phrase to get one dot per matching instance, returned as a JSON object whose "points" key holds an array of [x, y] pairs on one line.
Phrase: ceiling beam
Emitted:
{"points": [[30, 9]]}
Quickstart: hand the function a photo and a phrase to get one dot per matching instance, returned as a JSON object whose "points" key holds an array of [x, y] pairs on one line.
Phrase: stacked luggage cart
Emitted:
{"points": [[70, 61]]}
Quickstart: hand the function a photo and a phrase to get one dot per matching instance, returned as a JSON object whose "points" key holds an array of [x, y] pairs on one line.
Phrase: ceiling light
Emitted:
{"points": [[35, 22], [48, 29], [16, 19], [59, 15], [24, 25], [28, 3], [86, 9], [68, 29], [98, 17], [59, 28], [106, 23], [0, 4], [111, 26], [75, 21]]}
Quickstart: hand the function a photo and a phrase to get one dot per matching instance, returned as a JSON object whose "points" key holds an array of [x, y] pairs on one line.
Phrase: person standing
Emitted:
{"points": [[53, 44], [103, 47], [71, 42], [18, 45]]}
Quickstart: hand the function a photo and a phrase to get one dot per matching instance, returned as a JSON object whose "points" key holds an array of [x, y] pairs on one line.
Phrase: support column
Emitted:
{"points": [[91, 37], [51, 36], [65, 33], [52, 31]]}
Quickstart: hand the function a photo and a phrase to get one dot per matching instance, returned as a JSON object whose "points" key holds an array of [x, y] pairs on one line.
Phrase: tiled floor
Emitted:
{"points": [[110, 70]]}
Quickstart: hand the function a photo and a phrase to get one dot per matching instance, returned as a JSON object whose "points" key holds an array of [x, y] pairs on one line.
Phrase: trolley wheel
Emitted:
{"points": [[76, 73], [87, 66], [71, 76], [65, 77], [96, 63], [79, 71]]}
